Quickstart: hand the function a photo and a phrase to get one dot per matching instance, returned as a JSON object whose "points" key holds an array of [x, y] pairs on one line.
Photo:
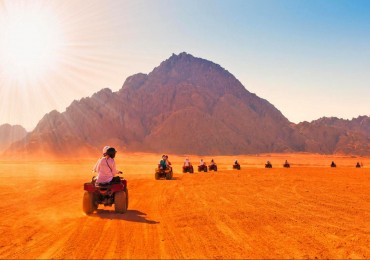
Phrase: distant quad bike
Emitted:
{"points": [[268, 165], [189, 169], [163, 173], [212, 167], [236, 166], [285, 165], [114, 192], [203, 168], [333, 165]]}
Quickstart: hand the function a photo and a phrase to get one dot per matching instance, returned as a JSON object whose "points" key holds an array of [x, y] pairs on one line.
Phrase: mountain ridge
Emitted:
{"points": [[187, 105]]}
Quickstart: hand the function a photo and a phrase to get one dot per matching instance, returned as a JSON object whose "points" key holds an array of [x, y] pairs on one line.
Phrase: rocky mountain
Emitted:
{"points": [[186, 105], [10, 134], [333, 135]]}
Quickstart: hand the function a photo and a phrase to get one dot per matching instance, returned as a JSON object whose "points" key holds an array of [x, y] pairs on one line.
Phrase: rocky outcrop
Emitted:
{"points": [[10, 134], [334, 135]]}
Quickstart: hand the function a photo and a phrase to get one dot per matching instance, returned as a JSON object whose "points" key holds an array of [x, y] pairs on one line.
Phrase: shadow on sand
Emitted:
{"points": [[130, 215]]}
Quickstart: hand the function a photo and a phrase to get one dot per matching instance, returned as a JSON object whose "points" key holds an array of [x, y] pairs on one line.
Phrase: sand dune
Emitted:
{"points": [[307, 211]]}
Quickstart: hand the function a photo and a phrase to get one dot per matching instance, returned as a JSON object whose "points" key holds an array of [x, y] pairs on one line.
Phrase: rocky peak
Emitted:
{"points": [[10, 133]]}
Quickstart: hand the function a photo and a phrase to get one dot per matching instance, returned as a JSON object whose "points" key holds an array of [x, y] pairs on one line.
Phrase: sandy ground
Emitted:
{"points": [[307, 211]]}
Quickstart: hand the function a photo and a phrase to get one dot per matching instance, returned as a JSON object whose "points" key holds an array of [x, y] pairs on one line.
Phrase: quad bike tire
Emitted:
{"points": [[191, 170], [168, 175], [215, 168], [205, 169], [88, 203], [126, 199], [120, 202], [156, 176]]}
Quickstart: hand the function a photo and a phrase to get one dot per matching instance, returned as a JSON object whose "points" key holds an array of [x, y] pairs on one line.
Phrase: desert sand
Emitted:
{"points": [[307, 211]]}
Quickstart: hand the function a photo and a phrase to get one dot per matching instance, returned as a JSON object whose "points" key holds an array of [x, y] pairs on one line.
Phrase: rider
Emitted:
{"points": [[212, 162], [187, 162], [163, 163], [105, 166], [236, 162], [201, 162], [168, 163]]}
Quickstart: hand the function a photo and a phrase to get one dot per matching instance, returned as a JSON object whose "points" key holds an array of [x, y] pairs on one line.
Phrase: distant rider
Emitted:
{"points": [[187, 162], [168, 163], [163, 163]]}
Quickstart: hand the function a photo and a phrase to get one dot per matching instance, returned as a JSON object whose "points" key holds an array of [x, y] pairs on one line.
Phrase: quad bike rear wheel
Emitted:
{"points": [[126, 199], [88, 203], [120, 201], [168, 175]]}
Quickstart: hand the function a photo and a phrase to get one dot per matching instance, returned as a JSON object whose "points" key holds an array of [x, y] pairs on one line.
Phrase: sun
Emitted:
{"points": [[31, 38]]}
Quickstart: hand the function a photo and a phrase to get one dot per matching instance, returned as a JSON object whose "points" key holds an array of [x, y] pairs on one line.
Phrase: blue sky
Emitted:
{"points": [[308, 58]]}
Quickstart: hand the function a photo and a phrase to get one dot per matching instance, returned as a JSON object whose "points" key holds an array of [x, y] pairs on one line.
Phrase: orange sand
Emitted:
{"points": [[307, 211]]}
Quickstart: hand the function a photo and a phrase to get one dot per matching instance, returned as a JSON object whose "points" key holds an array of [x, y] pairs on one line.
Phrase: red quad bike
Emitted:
{"points": [[213, 167], [163, 173], [114, 192], [285, 165], [189, 169], [236, 166], [268, 165], [202, 168]]}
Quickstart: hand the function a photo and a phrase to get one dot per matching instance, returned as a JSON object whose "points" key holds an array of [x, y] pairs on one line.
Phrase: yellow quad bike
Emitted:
{"points": [[163, 173]]}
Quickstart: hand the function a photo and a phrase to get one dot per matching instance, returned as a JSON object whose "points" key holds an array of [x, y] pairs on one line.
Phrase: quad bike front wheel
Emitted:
{"points": [[120, 201], [156, 176], [88, 203]]}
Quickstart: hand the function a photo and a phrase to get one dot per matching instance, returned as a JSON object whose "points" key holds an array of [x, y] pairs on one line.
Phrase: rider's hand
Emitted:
{"points": [[119, 172]]}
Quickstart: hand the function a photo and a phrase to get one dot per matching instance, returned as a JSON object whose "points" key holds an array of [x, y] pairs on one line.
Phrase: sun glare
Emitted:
{"points": [[30, 40]]}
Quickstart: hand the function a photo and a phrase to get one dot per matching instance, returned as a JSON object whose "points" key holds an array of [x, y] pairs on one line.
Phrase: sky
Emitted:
{"points": [[308, 58]]}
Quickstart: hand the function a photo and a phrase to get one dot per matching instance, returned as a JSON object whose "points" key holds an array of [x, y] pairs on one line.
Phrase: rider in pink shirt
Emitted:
{"points": [[105, 166]]}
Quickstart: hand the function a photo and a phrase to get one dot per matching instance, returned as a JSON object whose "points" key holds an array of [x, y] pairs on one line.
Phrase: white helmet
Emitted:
{"points": [[105, 149]]}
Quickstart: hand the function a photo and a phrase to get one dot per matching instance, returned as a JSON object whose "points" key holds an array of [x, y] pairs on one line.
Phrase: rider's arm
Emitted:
{"points": [[96, 167], [114, 170]]}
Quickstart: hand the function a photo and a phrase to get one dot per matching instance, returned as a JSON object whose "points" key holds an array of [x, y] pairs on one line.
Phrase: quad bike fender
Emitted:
{"points": [[89, 187], [117, 187]]}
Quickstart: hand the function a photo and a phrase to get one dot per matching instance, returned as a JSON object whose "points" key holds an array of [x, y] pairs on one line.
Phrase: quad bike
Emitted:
{"points": [[268, 165], [285, 165], [212, 167], [203, 168], [189, 169], [163, 173], [236, 166], [114, 192], [333, 165]]}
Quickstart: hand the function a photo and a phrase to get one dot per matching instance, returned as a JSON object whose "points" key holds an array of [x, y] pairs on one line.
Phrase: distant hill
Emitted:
{"points": [[186, 105], [333, 135], [10, 134]]}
